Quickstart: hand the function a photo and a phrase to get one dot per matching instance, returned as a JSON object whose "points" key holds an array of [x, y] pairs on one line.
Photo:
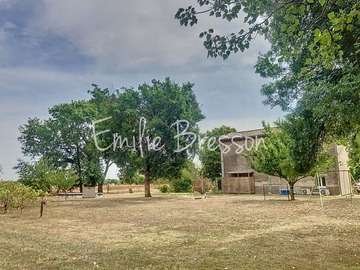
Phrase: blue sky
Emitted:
{"points": [[52, 51]]}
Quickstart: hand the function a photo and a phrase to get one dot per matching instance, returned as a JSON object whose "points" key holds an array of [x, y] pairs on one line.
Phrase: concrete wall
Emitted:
{"points": [[234, 159], [238, 185]]}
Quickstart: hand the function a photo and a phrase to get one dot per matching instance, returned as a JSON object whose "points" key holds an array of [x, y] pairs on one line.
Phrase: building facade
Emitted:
{"points": [[238, 177]]}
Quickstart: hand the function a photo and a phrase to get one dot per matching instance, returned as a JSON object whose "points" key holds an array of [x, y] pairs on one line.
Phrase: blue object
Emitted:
{"points": [[284, 192]]}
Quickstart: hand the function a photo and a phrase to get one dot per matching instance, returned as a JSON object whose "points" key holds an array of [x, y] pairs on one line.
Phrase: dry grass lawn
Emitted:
{"points": [[128, 231]]}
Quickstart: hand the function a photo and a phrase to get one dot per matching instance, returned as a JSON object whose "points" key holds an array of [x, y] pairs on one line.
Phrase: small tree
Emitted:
{"points": [[63, 180], [36, 175], [210, 157], [275, 158]]}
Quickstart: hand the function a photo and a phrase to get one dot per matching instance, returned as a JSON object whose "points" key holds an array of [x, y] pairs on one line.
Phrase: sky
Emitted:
{"points": [[52, 51]]}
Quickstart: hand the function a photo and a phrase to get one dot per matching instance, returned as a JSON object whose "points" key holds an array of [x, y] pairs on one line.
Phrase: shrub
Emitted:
{"points": [[203, 185], [162, 181], [139, 179], [136, 179], [24, 196], [164, 188], [16, 195], [112, 182], [182, 185], [6, 194]]}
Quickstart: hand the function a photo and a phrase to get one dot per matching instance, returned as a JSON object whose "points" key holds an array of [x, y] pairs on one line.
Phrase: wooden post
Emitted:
{"points": [[43, 202], [264, 191]]}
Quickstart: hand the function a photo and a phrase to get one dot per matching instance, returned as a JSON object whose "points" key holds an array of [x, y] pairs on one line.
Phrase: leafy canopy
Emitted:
{"points": [[276, 157], [152, 115], [310, 40], [149, 118], [210, 156], [313, 61], [65, 139]]}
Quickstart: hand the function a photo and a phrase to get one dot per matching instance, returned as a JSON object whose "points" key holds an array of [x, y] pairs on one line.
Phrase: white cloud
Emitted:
{"points": [[120, 36], [53, 52]]}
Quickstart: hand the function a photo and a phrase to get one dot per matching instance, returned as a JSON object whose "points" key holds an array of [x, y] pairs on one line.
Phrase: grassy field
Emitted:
{"points": [[128, 231]]}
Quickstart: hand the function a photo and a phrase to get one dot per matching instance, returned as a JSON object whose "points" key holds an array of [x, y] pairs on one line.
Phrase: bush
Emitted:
{"points": [[112, 182], [6, 194], [182, 185], [24, 196], [165, 188], [137, 179], [162, 181], [16, 195], [203, 185]]}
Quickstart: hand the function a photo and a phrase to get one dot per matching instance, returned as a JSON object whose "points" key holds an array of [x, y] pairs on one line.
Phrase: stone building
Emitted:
{"points": [[238, 177]]}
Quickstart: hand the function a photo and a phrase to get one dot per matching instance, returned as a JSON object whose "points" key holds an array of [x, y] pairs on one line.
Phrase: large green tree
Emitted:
{"points": [[153, 129], [65, 139], [210, 153], [313, 60], [104, 102], [325, 113], [307, 36]]}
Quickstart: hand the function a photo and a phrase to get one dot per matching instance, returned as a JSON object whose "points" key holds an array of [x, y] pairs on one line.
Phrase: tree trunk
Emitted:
{"points": [[292, 194], [78, 164], [100, 187], [101, 183], [81, 186], [147, 181]]}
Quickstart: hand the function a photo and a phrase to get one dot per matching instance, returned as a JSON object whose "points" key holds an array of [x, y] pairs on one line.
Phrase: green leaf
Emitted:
{"points": [[331, 15], [322, 2], [301, 9]]}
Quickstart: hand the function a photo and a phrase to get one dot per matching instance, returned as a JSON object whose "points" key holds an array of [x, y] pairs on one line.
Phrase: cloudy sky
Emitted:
{"points": [[52, 51]]}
